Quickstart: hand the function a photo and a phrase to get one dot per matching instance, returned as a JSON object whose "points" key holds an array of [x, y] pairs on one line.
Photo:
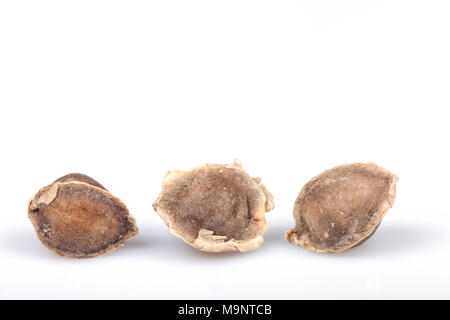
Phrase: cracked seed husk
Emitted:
{"points": [[77, 217], [215, 207], [342, 207]]}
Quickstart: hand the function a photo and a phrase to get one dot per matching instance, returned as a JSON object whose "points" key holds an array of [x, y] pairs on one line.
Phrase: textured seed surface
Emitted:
{"points": [[215, 207], [76, 217], [78, 177], [341, 207]]}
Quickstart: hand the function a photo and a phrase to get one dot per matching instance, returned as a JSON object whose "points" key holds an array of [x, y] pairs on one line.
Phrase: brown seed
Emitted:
{"points": [[341, 207], [215, 208], [77, 217]]}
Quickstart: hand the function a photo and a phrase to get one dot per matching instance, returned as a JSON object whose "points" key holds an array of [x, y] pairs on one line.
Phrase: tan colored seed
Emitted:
{"points": [[77, 217], [215, 208], [342, 207]]}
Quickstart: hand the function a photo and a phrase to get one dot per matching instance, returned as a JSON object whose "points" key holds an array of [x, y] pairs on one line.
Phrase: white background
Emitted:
{"points": [[127, 90]]}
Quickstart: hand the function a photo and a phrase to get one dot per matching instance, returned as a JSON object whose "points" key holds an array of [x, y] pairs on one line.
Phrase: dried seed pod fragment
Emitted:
{"points": [[215, 207], [342, 207], [77, 217]]}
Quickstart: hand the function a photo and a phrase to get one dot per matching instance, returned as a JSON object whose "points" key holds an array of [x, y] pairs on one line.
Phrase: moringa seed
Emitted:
{"points": [[215, 208], [77, 217], [341, 207]]}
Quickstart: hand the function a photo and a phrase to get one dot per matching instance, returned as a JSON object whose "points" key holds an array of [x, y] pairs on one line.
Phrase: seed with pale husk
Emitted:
{"points": [[215, 208], [342, 207], [77, 217]]}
